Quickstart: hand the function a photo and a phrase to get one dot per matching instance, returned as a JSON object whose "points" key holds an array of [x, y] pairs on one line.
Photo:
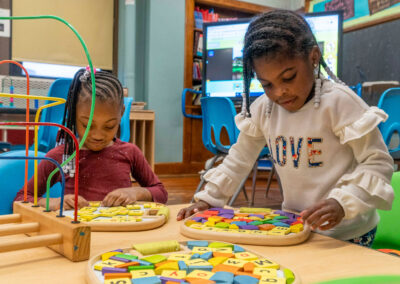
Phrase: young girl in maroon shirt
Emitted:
{"points": [[106, 163]]}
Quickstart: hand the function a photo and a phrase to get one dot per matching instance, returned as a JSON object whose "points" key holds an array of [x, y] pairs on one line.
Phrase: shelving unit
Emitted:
{"points": [[194, 153], [142, 132]]}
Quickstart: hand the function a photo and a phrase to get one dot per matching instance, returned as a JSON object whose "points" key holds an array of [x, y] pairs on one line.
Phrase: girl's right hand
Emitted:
{"points": [[186, 212], [69, 202]]}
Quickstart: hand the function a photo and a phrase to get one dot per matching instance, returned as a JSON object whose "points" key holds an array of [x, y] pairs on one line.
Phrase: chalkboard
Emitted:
{"points": [[375, 51]]}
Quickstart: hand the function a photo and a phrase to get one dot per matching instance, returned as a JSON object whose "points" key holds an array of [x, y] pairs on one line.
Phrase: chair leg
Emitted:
{"points": [[208, 165], [279, 184], [271, 174], [245, 193], [239, 189], [253, 186]]}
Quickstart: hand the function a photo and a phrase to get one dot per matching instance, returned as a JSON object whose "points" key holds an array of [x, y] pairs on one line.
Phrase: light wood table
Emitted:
{"points": [[319, 258], [142, 132]]}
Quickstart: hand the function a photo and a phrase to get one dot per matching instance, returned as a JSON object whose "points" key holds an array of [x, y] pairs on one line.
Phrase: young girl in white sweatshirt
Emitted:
{"points": [[328, 152]]}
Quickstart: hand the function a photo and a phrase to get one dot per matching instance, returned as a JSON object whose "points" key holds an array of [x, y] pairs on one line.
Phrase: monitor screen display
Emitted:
{"points": [[222, 58]]}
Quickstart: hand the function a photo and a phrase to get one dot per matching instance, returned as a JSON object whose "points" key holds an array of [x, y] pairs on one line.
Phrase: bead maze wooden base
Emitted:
{"points": [[45, 229], [204, 231], [192, 262], [146, 218]]}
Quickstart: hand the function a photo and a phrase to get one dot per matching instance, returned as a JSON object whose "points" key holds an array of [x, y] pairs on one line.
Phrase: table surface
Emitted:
{"points": [[319, 258]]}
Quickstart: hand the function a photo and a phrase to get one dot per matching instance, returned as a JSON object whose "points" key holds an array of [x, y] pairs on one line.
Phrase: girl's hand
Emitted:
{"points": [[69, 202], [324, 215], [125, 196], [186, 212], [54, 203]]}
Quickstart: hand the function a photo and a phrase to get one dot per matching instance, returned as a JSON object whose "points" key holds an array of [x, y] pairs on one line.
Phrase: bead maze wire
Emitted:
{"points": [[50, 160], [82, 141]]}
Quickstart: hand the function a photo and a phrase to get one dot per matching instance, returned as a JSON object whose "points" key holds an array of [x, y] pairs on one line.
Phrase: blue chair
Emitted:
{"points": [[125, 129], [47, 134], [390, 102], [12, 174], [218, 113], [357, 89]]}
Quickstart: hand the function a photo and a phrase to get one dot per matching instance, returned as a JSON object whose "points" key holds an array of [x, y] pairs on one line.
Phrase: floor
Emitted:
{"points": [[181, 189]]}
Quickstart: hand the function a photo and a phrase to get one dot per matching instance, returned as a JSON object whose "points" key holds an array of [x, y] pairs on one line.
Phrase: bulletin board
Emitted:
{"points": [[374, 52], [359, 13]]}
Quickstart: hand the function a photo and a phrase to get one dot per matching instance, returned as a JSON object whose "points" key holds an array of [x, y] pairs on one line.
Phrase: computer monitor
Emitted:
{"points": [[223, 46]]}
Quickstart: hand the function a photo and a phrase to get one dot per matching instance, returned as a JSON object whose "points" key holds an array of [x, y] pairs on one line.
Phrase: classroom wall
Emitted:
{"points": [[151, 63], [285, 4], [280, 4], [153, 42]]}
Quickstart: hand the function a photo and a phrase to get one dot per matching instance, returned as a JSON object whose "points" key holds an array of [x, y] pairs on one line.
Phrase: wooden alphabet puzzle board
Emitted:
{"points": [[254, 226], [137, 217], [193, 262]]}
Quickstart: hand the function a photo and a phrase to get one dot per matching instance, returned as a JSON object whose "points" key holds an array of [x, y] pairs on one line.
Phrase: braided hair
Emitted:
{"points": [[278, 32], [108, 89]]}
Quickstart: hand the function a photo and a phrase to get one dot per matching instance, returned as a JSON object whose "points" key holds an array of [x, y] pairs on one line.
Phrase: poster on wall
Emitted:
{"points": [[357, 12], [4, 24]]}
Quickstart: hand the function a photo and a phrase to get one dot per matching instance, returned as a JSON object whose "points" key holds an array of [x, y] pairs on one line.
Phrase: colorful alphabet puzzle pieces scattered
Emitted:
{"points": [[120, 214], [254, 221], [197, 262]]}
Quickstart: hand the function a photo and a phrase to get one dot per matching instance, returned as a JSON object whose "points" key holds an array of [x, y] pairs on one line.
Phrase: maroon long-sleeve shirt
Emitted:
{"points": [[101, 172]]}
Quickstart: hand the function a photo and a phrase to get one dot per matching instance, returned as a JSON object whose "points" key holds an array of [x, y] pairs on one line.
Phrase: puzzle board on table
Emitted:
{"points": [[193, 262], [136, 217], [254, 226]]}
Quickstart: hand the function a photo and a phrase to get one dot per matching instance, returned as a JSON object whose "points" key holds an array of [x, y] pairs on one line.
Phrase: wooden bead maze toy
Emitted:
{"points": [[45, 228], [254, 226], [194, 262]]}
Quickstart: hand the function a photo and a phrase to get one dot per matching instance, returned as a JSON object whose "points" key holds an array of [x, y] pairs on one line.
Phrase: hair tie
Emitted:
{"points": [[84, 77]]}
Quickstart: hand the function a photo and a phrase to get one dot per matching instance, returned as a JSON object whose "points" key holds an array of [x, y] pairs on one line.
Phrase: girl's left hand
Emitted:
{"points": [[324, 215], [125, 196]]}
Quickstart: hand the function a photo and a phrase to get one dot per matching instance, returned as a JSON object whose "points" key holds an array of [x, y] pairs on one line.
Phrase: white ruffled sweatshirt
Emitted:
{"points": [[334, 151]]}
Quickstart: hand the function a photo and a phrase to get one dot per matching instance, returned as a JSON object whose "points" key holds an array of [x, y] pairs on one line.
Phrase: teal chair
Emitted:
{"points": [[125, 129], [390, 102], [47, 134], [357, 89], [12, 174], [387, 235], [218, 115], [374, 279]]}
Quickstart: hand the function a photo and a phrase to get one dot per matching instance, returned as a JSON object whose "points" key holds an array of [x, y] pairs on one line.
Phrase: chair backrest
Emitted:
{"points": [[218, 113], [12, 174], [47, 134], [387, 235], [125, 132], [357, 89], [389, 102]]}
